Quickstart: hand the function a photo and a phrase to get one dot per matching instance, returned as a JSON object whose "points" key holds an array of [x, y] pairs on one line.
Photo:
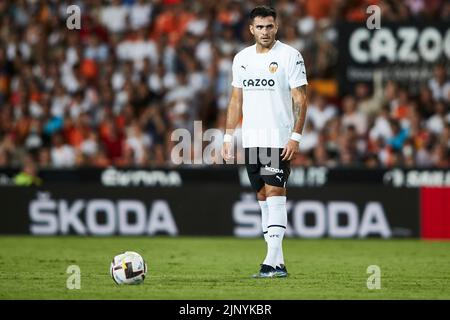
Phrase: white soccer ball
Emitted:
{"points": [[128, 268]]}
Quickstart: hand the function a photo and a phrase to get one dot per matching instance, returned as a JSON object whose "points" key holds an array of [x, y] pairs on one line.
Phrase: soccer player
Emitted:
{"points": [[269, 94]]}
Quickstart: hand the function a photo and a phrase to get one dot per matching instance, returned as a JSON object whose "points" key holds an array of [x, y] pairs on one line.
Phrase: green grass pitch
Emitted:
{"points": [[211, 268]]}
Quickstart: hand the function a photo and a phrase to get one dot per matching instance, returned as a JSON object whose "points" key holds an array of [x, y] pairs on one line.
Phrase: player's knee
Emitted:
{"points": [[261, 195], [275, 191]]}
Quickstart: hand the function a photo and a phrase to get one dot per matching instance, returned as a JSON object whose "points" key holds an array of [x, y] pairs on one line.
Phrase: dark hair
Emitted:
{"points": [[263, 11]]}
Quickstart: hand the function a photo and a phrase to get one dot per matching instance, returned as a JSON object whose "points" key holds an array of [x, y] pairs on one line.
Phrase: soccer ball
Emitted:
{"points": [[128, 268]]}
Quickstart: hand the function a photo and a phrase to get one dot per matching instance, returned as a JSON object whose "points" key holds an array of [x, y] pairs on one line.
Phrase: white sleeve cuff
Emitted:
{"points": [[227, 138], [296, 136]]}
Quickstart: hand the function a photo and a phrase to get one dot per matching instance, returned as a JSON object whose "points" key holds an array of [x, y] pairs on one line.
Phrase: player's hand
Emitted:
{"points": [[227, 151], [290, 150]]}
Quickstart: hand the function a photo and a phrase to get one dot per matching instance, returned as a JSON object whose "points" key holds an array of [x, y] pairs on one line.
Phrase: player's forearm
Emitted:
{"points": [[300, 123], [300, 108], [233, 118], [234, 114]]}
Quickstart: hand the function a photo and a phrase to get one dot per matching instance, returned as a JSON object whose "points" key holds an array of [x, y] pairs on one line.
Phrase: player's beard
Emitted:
{"points": [[266, 44]]}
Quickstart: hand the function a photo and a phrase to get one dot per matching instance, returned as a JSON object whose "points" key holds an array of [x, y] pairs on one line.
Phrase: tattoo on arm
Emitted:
{"points": [[300, 106]]}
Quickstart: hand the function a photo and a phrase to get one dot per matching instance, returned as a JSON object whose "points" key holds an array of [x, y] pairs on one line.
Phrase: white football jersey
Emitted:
{"points": [[266, 80]]}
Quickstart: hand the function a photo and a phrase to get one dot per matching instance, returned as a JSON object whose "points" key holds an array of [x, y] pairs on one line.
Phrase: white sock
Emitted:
{"points": [[276, 227], [264, 217]]}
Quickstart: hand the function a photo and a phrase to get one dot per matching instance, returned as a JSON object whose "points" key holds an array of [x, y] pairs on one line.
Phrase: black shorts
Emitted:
{"points": [[264, 166]]}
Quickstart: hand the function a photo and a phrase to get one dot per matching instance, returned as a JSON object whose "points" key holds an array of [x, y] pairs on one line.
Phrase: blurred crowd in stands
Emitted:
{"points": [[111, 93]]}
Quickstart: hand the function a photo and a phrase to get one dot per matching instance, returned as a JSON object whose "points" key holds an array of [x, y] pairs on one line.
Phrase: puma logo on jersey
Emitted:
{"points": [[279, 178]]}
